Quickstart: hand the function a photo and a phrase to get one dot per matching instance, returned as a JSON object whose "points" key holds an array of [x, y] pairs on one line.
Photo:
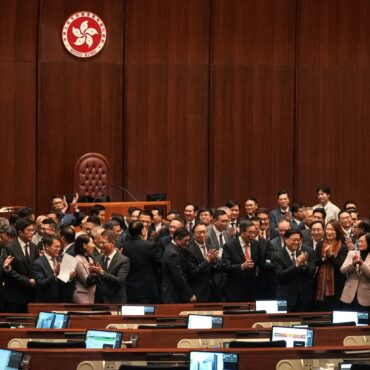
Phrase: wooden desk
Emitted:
{"points": [[250, 359], [122, 207]]}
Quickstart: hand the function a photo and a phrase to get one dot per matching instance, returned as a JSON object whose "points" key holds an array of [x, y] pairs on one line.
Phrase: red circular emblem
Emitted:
{"points": [[84, 34]]}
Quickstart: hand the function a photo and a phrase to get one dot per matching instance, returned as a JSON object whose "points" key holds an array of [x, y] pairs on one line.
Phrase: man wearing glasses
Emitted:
{"points": [[295, 268]]}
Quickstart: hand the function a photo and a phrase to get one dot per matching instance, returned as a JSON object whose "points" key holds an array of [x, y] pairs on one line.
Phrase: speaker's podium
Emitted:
{"points": [[122, 207]]}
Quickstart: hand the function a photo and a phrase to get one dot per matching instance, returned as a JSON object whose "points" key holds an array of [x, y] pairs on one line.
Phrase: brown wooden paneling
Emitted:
{"points": [[80, 100], [252, 100], [333, 95], [166, 102], [18, 32]]}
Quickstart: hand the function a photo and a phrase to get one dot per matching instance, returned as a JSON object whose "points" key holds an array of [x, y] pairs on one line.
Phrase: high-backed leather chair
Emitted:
{"points": [[92, 176]]}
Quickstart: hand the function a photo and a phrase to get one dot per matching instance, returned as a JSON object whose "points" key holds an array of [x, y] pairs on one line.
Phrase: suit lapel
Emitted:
{"points": [[286, 257], [45, 262], [239, 250]]}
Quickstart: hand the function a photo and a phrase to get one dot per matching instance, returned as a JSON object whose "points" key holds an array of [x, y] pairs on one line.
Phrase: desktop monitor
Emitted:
{"points": [[205, 322], [137, 310], [272, 306], [213, 360], [52, 320], [10, 360], [294, 337], [103, 339], [360, 318]]}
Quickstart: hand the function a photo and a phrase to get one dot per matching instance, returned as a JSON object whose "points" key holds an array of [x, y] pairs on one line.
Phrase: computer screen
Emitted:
{"points": [[52, 320], [272, 306], [103, 339], [205, 322], [294, 337], [137, 310], [360, 318], [10, 360], [213, 360]]}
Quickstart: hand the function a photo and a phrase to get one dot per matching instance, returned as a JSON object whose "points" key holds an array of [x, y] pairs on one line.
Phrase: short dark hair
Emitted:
{"points": [[231, 203], [348, 202], [174, 212], [255, 218], [204, 209], [135, 228], [261, 211], [343, 211], [317, 222], [320, 210], [145, 212], [252, 198], [244, 225], [68, 233], [281, 192], [79, 243], [193, 205], [49, 221], [22, 223], [324, 188], [110, 224], [94, 220], [159, 209], [131, 210], [291, 232], [119, 218], [295, 207], [47, 241], [181, 233], [96, 209], [218, 213], [25, 212], [365, 225], [110, 235]]}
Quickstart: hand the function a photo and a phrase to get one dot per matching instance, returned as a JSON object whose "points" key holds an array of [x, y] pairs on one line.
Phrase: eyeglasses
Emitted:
{"points": [[295, 240]]}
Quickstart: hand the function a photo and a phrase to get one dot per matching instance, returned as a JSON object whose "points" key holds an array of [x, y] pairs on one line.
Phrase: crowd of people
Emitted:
{"points": [[315, 258]]}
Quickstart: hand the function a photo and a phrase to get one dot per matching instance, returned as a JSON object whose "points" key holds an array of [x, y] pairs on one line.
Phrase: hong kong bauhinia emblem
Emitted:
{"points": [[84, 34]]}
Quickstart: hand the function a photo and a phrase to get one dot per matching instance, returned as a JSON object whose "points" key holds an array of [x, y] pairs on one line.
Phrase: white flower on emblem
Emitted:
{"points": [[84, 34]]}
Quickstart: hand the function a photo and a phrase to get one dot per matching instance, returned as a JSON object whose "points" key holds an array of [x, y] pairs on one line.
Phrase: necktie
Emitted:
{"points": [[221, 241], [190, 225], [293, 257], [106, 261], [204, 251], [27, 253], [54, 262], [233, 225], [246, 252]]}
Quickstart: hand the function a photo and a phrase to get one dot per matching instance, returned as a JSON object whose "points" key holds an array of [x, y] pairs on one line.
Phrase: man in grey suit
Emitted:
{"points": [[111, 271], [218, 236]]}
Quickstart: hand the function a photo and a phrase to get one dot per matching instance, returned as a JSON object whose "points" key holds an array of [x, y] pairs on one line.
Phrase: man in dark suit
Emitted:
{"points": [[279, 241], [141, 283], [203, 263], [295, 268], [317, 235], [240, 260], [67, 236], [175, 285], [110, 271], [297, 220], [283, 211], [19, 286], [45, 270]]}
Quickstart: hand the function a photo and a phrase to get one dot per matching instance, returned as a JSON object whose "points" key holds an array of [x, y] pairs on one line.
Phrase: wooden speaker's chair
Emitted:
{"points": [[92, 177]]}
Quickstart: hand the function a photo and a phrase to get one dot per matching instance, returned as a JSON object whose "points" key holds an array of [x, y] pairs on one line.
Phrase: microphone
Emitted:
{"points": [[122, 189]]}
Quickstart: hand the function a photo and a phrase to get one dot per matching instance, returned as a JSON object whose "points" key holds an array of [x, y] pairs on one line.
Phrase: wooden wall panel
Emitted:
{"points": [[80, 100], [18, 32], [252, 100], [166, 102], [333, 95]]}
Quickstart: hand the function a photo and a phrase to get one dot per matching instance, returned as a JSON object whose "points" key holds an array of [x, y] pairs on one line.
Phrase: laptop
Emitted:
{"points": [[52, 320], [137, 310], [205, 322], [294, 337], [360, 318], [213, 360], [10, 360], [272, 306], [103, 339]]}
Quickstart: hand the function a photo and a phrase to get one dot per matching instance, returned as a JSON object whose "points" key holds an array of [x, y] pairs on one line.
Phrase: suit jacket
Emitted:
{"points": [[358, 281], [240, 285], [277, 244], [306, 234], [275, 216], [84, 291], [48, 287], [111, 285], [17, 287], [201, 273], [175, 285], [295, 283], [141, 282], [213, 241]]}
